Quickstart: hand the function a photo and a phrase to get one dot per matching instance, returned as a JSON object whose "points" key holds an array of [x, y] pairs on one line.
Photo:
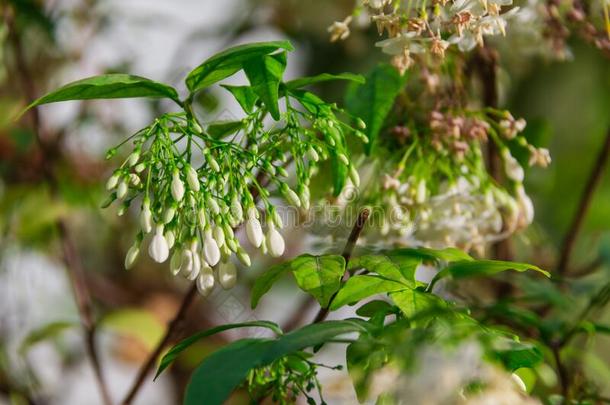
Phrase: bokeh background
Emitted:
{"points": [[567, 102]]}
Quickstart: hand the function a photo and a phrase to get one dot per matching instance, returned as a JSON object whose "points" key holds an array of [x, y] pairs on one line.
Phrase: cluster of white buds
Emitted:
{"points": [[430, 28], [189, 211]]}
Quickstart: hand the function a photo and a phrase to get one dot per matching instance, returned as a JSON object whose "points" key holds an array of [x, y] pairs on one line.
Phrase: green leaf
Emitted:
{"points": [[320, 276], [311, 102], [109, 86], [372, 308], [517, 355], [434, 255], [266, 280], [221, 372], [173, 353], [359, 287], [324, 77], [265, 74], [245, 96], [48, 331], [228, 62], [475, 268], [220, 129], [373, 100], [411, 302], [393, 266]]}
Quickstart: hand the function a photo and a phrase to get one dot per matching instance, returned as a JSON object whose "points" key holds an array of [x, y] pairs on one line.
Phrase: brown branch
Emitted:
{"points": [[347, 253], [71, 260], [583, 206], [172, 328]]}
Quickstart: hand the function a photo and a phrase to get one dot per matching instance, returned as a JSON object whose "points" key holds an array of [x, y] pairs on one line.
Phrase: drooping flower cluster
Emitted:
{"points": [[429, 28], [195, 188], [440, 193]]}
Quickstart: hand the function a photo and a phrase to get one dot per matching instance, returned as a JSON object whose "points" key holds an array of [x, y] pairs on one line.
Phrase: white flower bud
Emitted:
{"points": [[518, 382], [205, 281], [112, 181], [175, 262], [232, 244], [132, 255], [146, 217], [170, 238], [134, 179], [186, 262], [196, 267], [512, 168], [354, 176], [213, 163], [525, 205], [227, 275], [343, 159], [177, 186], [313, 155], [236, 209], [211, 252], [254, 232], [121, 191], [140, 167], [158, 249], [291, 197], [361, 124], [219, 236], [243, 257], [304, 196], [203, 220], [133, 158], [275, 242], [192, 178], [213, 205], [169, 214], [277, 219], [420, 195]]}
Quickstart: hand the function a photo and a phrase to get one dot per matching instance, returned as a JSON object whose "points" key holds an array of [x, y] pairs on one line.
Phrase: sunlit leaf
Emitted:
{"points": [[221, 372], [324, 77], [359, 287], [373, 100], [320, 276], [265, 74], [173, 353], [228, 62], [107, 87]]}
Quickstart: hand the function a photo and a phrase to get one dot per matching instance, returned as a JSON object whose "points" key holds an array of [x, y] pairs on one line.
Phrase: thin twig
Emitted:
{"points": [[71, 260], [170, 333], [583, 206], [347, 253]]}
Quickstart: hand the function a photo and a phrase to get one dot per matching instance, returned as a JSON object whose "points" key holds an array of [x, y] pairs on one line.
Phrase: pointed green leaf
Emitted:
{"points": [[245, 96], [324, 77], [359, 287], [393, 266], [311, 102], [373, 100], [475, 268], [265, 281], [265, 74], [411, 302], [320, 276], [425, 254], [221, 372], [228, 62], [220, 129], [108, 87], [173, 353]]}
